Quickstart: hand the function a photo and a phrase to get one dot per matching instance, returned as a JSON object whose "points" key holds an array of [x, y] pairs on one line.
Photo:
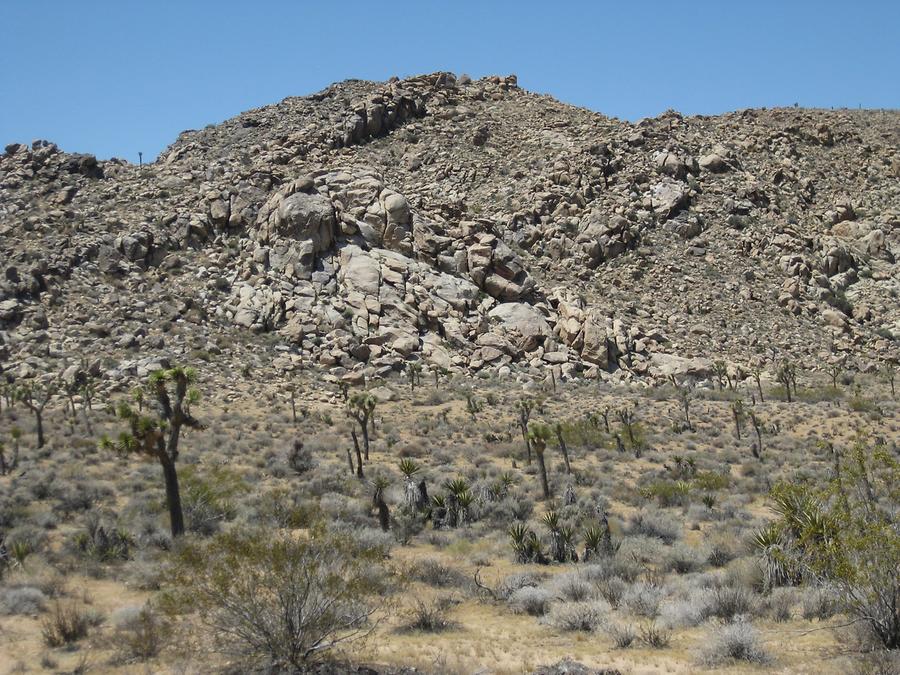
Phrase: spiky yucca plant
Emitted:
{"points": [[409, 468], [526, 544]]}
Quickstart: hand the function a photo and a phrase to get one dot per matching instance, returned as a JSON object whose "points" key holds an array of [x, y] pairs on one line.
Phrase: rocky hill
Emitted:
{"points": [[470, 224]]}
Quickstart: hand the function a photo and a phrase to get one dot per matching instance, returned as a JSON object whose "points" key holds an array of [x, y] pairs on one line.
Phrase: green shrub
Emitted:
{"points": [[668, 492], [277, 599], [208, 499], [140, 633], [846, 536]]}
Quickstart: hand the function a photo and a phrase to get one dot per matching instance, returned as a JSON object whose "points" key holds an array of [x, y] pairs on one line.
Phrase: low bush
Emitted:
{"points": [[572, 586], [656, 635], [653, 523], [579, 616], [682, 613], [623, 635], [531, 600], [780, 603], [729, 602], [643, 599], [278, 600], [67, 623], [733, 642], [440, 575], [22, 600], [140, 633], [684, 559], [429, 617], [819, 603], [514, 582]]}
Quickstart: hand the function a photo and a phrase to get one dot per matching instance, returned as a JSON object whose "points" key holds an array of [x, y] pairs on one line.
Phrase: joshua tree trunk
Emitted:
{"points": [[524, 416], [423, 495], [39, 426], [686, 404], [384, 515], [758, 379], [350, 461], [562, 447], [758, 448], [87, 422], [527, 443], [542, 468], [173, 494], [359, 459]]}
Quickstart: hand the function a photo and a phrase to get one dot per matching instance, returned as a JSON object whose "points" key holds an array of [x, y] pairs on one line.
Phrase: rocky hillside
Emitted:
{"points": [[470, 224]]}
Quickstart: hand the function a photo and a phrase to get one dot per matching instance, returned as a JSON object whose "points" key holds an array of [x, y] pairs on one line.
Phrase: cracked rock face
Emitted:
{"points": [[468, 224]]}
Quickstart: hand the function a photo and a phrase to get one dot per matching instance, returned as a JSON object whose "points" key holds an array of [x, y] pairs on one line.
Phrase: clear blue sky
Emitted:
{"points": [[115, 77]]}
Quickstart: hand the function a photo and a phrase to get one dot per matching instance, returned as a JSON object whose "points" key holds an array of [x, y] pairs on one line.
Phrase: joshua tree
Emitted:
{"points": [[384, 514], [757, 377], [562, 445], [438, 372], [16, 435], [414, 369], [784, 378], [70, 389], [834, 371], [890, 370], [88, 389], [737, 412], [721, 371], [626, 417], [35, 397], [137, 395], [159, 435], [757, 448], [360, 407], [473, 405], [605, 413], [292, 394], [300, 459], [787, 376], [8, 392], [525, 407], [685, 393], [539, 435], [4, 467]]}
